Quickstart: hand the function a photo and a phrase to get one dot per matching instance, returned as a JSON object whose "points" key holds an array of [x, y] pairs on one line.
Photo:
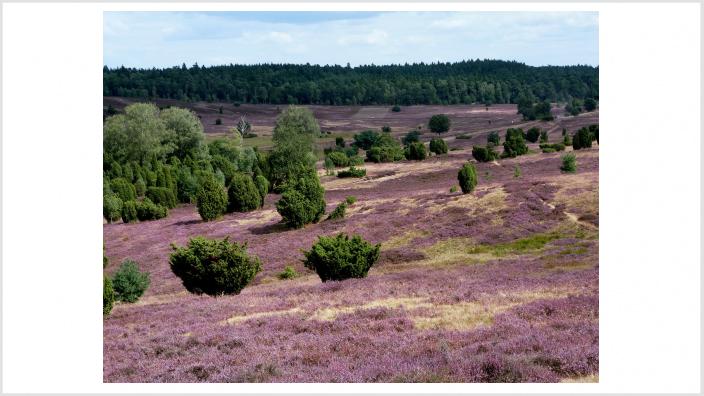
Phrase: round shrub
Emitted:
{"points": [[350, 199], [112, 207], [108, 296], [214, 267], [129, 283], [341, 257], [396, 109], [569, 163], [533, 135], [467, 178], [148, 210], [339, 141], [416, 151], [410, 137], [514, 143], [339, 158], [242, 195], [302, 202], [484, 154], [211, 199], [124, 189], [493, 138], [582, 139], [438, 146], [163, 196], [288, 273], [129, 212], [262, 187]]}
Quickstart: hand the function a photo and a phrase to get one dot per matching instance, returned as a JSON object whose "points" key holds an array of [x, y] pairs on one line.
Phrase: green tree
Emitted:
{"points": [[135, 135], [493, 138], [293, 138], [184, 133], [514, 144], [438, 146], [439, 123]]}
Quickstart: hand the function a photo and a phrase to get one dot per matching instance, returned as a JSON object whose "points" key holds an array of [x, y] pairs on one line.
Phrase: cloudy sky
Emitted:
{"points": [[164, 39]]}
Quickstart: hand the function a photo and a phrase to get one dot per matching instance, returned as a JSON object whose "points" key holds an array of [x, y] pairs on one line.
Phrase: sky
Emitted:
{"points": [[166, 39]]}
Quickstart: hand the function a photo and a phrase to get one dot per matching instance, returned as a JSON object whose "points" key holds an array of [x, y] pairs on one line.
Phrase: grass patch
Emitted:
{"points": [[532, 243], [402, 240]]}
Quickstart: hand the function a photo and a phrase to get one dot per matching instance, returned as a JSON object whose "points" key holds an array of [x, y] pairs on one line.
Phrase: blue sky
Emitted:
{"points": [[165, 39]]}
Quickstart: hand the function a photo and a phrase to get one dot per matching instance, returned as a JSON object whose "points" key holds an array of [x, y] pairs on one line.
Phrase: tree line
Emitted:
{"points": [[471, 81]]}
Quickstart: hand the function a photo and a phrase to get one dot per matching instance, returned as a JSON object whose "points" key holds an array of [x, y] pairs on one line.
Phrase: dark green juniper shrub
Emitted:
{"points": [[243, 195], [467, 177], [340, 141], [262, 187], [218, 121], [464, 136], [129, 283], [112, 207], [341, 257], [288, 273], [493, 138], [410, 137], [543, 136], [416, 151], [124, 189], [140, 187], [387, 151], [108, 296], [162, 196], [350, 199], [148, 210], [582, 139], [303, 201], [567, 140], [484, 154], [352, 172], [211, 199], [552, 147], [339, 159], [569, 163], [438, 146], [214, 267], [386, 128], [356, 160], [514, 144], [533, 134], [129, 211], [396, 109], [338, 212]]}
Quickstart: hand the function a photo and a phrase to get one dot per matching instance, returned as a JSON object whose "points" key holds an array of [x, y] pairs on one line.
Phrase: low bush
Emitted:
{"points": [[112, 207], [214, 267], [108, 296], [484, 154], [438, 146], [416, 151], [350, 199], [242, 195], [533, 134], [340, 141], [543, 136], [129, 283], [464, 136], [411, 137], [356, 160], [387, 149], [129, 212], [338, 212], [339, 159], [453, 189], [341, 257], [288, 273], [211, 199], [302, 202], [218, 121], [493, 138], [467, 177], [567, 140], [386, 128], [552, 147], [352, 172], [162, 196], [548, 150], [516, 171], [262, 187], [569, 163], [123, 188], [582, 139], [249, 135], [148, 210], [396, 109]]}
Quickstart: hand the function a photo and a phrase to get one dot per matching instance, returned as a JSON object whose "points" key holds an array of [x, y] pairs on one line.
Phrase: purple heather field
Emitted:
{"points": [[500, 285]]}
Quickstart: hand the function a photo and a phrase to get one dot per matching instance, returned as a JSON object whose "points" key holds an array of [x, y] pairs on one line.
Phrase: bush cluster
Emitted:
{"points": [[467, 177], [148, 210], [129, 283], [484, 154], [303, 201], [410, 137], [352, 172], [123, 188], [552, 147], [341, 257], [214, 267], [514, 144], [438, 146], [415, 151], [582, 139], [385, 149], [162, 196], [339, 159]]}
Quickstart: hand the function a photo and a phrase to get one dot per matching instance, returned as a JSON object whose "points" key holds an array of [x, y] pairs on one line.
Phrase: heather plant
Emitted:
{"points": [[303, 201], [438, 146], [129, 283], [338, 212], [352, 172], [112, 207], [514, 144], [339, 159], [493, 138], [350, 199], [569, 163], [214, 267], [129, 211], [162, 196], [124, 189], [341, 257], [211, 199], [243, 195], [148, 210], [416, 151], [262, 187], [288, 273], [108, 296], [467, 177]]}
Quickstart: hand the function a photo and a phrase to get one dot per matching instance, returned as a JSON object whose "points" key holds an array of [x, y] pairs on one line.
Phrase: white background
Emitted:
{"points": [[649, 200]]}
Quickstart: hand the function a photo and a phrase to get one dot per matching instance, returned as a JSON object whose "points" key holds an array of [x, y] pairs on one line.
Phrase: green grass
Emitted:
{"points": [[519, 246]]}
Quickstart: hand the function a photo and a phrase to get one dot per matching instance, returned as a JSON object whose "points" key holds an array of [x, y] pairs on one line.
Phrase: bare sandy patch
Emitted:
{"points": [[402, 240], [241, 318]]}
